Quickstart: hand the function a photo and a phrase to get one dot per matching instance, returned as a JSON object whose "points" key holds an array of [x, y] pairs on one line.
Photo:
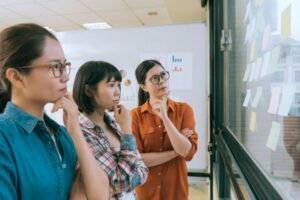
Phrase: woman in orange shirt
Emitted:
{"points": [[165, 135]]}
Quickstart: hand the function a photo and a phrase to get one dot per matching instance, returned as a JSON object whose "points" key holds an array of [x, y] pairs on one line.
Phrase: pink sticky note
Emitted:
{"points": [[266, 38], [274, 103]]}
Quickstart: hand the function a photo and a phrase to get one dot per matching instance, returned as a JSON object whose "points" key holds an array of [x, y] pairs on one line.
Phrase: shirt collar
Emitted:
{"points": [[28, 121], [147, 107], [89, 124], [86, 122]]}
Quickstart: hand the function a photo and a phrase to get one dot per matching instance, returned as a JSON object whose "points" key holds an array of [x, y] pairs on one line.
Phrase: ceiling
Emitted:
{"points": [[67, 15]]}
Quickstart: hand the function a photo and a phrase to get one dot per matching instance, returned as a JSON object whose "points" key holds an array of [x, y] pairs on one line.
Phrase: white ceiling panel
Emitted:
{"points": [[7, 14], [126, 24], [85, 18], [70, 27], [57, 21], [66, 6], [157, 21], [15, 2], [119, 16], [145, 3], [105, 5], [30, 10], [18, 21], [143, 13]]}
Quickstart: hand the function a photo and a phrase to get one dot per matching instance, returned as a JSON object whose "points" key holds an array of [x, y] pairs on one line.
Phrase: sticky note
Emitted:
{"points": [[247, 73], [265, 65], [286, 30], [253, 121], [253, 51], [257, 67], [247, 98], [274, 60], [288, 92], [275, 98], [274, 136], [257, 97], [266, 38]]}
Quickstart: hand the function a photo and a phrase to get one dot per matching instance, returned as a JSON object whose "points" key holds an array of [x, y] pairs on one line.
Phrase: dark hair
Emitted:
{"points": [[19, 46], [140, 74], [90, 74]]}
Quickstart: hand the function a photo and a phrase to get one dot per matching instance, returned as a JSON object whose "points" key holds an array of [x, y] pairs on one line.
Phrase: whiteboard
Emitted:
{"points": [[125, 48]]}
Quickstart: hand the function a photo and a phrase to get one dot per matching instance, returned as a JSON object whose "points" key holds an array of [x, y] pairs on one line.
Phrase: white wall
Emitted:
{"points": [[125, 48]]}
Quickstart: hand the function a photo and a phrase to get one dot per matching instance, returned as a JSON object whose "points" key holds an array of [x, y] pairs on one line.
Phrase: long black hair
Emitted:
{"points": [[140, 74]]}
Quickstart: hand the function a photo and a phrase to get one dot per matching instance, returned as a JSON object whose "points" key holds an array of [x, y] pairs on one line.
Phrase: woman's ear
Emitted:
{"points": [[88, 91], [15, 77], [143, 87]]}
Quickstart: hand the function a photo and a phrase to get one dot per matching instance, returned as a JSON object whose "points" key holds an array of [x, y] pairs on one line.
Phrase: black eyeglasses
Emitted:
{"points": [[155, 79], [58, 68]]}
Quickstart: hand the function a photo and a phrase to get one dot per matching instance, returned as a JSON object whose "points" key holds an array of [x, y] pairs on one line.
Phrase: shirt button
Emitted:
{"points": [[159, 174], [158, 187], [159, 126], [161, 137], [64, 165], [160, 149]]}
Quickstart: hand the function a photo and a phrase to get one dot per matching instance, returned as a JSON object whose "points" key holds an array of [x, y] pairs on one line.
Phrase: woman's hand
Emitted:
{"points": [[123, 117], [187, 132], [70, 111], [159, 107]]}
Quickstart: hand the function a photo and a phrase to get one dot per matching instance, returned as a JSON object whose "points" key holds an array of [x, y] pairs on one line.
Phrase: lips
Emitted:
{"points": [[63, 89], [163, 88]]}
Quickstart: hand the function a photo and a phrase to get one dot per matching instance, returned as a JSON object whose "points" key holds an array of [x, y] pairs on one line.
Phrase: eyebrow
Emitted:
{"points": [[57, 60]]}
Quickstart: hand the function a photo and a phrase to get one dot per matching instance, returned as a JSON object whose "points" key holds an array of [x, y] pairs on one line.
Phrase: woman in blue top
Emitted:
{"points": [[38, 157]]}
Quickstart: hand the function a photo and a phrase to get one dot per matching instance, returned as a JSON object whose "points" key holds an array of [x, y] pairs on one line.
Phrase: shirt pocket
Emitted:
{"points": [[151, 139]]}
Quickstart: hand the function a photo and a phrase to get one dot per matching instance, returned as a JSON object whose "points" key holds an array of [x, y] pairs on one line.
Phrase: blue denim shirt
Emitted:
{"points": [[30, 167]]}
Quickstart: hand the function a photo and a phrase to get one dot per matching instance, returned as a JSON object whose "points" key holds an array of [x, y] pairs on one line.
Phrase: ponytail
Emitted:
{"points": [[143, 96]]}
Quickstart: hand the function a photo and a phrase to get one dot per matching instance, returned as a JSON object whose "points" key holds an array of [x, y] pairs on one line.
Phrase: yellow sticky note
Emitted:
{"points": [[257, 2], [285, 31], [253, 51], [253, 122]]}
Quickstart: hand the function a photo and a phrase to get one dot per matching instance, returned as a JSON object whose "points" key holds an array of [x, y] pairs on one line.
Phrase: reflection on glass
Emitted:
{"points": [[264, 86]]}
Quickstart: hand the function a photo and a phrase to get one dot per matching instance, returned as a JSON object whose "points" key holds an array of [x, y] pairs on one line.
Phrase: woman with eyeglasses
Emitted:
{"points": [[38, 157], [165, 135], [97, 90]]}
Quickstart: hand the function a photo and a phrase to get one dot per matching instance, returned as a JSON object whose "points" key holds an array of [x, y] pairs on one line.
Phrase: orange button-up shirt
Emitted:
{"points": [[167, 181]]}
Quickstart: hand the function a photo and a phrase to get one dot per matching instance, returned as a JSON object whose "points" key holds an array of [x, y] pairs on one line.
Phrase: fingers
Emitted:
{"points": [[57, 105], [187, 132]]}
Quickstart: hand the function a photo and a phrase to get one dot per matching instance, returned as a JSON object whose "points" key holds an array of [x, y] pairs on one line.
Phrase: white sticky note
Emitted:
{"points": [[247, 11], [253, 121], [252, 72], [253, 51], [274, 102], [248, 36], [288, 92], [265, 65], [257, 67], [257, 97], [247, 98], [274, 136], [247, 73], [274, 60]]}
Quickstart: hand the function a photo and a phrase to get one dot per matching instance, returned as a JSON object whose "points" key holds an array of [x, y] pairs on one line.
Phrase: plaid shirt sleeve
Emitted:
{"points": [[125, 168]]}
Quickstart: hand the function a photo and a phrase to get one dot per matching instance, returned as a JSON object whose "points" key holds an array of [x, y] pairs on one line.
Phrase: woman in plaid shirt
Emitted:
{"points": [[97, 89]]}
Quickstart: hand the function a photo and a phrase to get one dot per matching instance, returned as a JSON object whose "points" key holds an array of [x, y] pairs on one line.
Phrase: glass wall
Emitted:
{"points": [[263, 86]]}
